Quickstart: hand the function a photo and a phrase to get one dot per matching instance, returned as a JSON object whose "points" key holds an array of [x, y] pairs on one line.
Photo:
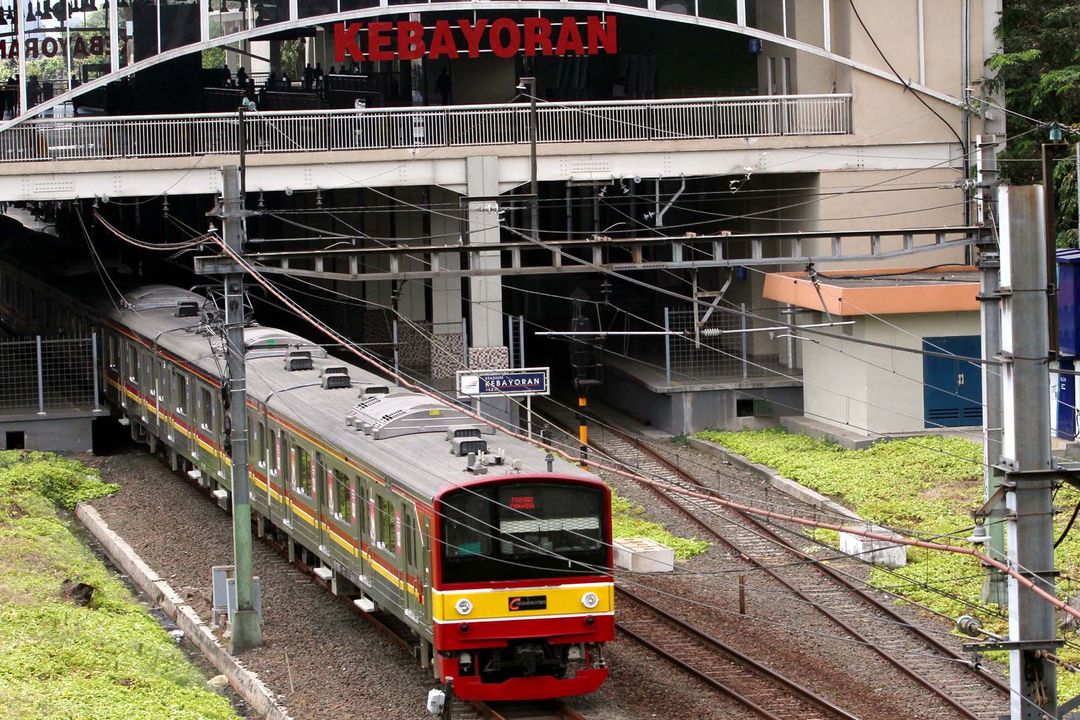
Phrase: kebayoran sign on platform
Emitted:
{"points": [[504, 37]]}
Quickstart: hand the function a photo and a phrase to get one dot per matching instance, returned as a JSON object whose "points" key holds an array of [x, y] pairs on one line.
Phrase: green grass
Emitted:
{"points": [[628, 520], [62, 661], [928, 485]]}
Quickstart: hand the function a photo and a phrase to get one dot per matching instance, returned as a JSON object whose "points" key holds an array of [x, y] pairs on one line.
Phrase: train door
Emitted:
{"points": [[305, 498], [162, 414], [415, 565], [341, 501], [207, 434], [365, 523], [129, 376], [257, 467], [181, 408], [146, 385], [276, 462], [322, 493], [287, 483]]}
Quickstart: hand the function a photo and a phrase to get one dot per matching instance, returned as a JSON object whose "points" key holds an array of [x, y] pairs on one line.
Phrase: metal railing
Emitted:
{"points": [[461, 125], [45, 374]]}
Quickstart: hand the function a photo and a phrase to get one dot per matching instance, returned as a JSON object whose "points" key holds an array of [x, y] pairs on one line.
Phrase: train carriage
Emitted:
{"points": [[495, 554]]}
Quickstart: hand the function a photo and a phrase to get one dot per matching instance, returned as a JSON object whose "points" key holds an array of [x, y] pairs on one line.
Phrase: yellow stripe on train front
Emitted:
{"points": [[543, 601]]}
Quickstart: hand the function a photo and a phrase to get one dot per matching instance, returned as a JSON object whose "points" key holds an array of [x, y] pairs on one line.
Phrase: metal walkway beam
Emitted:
{"points": [[597, 254]]}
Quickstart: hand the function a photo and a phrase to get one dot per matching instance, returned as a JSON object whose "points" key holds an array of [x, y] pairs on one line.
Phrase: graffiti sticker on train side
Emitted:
{"points": [[527, 602]]}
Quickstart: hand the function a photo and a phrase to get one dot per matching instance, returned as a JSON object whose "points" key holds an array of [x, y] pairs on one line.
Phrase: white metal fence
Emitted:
{"points": [[45, 374], [461, 125]]}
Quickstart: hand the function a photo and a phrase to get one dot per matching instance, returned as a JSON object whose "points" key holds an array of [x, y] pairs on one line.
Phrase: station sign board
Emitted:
{"points": [[519, 382], [504, 37]]}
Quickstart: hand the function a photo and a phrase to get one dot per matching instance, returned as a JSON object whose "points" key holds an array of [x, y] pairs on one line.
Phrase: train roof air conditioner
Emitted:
{"points": [[187, 308], [298, 360], [335, 377]]}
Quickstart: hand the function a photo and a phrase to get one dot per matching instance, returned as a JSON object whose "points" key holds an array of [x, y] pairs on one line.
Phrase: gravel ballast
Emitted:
{"points": [[319, 657]]}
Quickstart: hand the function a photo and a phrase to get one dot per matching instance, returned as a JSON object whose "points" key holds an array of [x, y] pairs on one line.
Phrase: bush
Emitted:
{"points": [[926, 486], [628, 520], [60, 659]]}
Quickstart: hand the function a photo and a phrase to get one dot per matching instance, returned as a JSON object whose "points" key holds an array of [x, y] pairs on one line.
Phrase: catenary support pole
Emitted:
{"points": [[1025, 452], [995, 587], [246, 633]]}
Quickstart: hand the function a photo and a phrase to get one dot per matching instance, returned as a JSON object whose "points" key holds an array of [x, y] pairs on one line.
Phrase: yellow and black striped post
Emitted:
{"points": [[583, 431]]}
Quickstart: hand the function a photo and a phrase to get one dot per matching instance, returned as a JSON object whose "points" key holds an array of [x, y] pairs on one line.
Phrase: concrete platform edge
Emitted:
{"points": [[246, 683]]}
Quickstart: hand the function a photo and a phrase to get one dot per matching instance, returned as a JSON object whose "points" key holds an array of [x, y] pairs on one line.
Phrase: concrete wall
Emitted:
{"points": [[870, 389], [889, 200], [883, 111], [691, 411], [53, 434]]}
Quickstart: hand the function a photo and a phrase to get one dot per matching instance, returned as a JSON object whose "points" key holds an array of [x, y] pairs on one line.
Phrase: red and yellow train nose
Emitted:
{"points": [[524, 642], [465, 617]]}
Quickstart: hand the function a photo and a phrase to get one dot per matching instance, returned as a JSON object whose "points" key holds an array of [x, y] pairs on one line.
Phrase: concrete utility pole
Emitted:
{"points": [[529, 83], [246, 633], [1026, 458], [995, 588]]}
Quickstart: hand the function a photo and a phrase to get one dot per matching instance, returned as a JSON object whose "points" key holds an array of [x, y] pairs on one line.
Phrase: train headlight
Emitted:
{"points": [[463, 606], [590, 600]]}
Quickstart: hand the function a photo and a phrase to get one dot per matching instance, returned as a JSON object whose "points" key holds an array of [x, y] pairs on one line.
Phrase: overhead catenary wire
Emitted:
{"points": [[738, 506]]}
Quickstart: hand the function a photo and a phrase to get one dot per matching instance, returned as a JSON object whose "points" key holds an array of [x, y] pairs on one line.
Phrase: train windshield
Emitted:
{"points": [[522, 531]]}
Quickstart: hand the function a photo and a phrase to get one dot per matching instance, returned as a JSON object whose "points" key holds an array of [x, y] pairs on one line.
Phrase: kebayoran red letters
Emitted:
{"points": [[504, 37]]}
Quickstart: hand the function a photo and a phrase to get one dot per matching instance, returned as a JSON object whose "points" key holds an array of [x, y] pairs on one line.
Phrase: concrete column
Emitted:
{"points": [[410, 224], [485, 293], [486, 347], [446, 292]]}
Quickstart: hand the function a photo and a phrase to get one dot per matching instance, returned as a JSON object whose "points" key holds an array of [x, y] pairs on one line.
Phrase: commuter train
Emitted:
{"points": [[495, 555]]}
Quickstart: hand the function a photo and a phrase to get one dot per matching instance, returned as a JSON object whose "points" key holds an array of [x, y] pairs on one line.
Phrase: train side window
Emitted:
{"points": [[258, 440], [132, 364], [385, 518], [275, 452], [302, 479], [180, 392], [112, 351], [163, 381], [411, 537], [205, 408], [341, 496]]}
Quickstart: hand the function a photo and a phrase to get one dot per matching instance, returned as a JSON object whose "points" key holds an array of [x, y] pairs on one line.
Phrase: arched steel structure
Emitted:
{"points": [[562, 6]]}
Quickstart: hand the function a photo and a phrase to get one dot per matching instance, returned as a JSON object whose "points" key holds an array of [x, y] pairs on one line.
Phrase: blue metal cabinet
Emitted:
{"points": [[952, 389]]}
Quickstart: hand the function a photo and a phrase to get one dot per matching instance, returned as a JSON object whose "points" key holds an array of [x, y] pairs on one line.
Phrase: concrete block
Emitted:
{"points": [[643, 555], [879, 552]]}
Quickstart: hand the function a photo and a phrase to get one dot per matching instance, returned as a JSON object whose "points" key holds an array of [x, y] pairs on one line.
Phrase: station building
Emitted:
{"points": [[686, 151]]}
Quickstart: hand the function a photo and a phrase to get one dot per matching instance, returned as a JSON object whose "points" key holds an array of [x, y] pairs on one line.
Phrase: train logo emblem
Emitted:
{"points": [[528, 602]]}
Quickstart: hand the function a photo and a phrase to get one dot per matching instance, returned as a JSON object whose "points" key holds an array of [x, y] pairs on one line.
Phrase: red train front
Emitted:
{"points": [[523, 598]]}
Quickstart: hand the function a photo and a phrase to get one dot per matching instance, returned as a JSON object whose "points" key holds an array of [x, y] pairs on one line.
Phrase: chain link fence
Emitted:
{"points": [[722, 344], [48, 374]]}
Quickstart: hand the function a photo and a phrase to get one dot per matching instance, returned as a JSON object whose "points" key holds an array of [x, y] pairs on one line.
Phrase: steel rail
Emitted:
{"points": [[793, 689], [539, 710], [875, 604]]}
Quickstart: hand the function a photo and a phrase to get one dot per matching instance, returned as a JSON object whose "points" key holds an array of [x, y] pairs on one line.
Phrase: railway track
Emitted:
{"points": [[546, 710], [399, 634], [757, 688], [926, 660]]}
